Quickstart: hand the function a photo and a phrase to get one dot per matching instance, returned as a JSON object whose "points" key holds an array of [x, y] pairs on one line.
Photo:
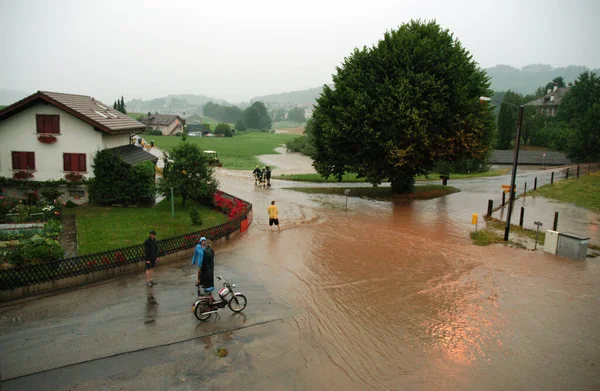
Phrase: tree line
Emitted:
{"points": [[254, 116], [575, 129]]}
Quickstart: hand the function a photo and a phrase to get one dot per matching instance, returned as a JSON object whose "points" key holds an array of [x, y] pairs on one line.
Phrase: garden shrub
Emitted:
{"points": [[195, 216], [35, 250], [70, 204], [115, 182], [50, 194]]}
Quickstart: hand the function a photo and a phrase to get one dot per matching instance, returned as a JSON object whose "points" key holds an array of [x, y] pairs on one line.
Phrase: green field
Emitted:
{"points": [[237, 152], [583, 191], [287, 124], [420, 193], [105, 228], [136, 115], [350, 177]]}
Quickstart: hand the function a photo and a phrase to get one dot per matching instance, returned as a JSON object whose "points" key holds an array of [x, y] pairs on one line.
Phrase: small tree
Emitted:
{"points": [[297, 114], [223, 129], [189, 174], [240, 125]]}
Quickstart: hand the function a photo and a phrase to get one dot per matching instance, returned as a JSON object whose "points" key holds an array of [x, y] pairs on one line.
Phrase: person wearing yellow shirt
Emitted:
{"points": [[273, 216]]}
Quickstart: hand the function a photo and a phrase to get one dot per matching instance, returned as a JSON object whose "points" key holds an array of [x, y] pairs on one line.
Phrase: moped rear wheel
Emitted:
{"points": [[237, 303], [199, 312]]}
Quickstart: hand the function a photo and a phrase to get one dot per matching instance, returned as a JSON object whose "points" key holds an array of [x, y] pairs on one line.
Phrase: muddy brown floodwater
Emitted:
{"points": [[394, 296], [384, 296]]}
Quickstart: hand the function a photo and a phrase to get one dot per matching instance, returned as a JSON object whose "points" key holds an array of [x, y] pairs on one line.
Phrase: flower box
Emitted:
{"points": [[22, 175], [73, 177], [47, 139]]}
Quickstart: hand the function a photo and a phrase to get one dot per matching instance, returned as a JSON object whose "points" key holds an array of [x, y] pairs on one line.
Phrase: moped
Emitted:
{"points": [[206, 305]]}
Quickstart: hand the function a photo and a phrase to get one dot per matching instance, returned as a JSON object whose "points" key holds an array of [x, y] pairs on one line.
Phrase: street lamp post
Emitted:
{"points": [[513, 177]]}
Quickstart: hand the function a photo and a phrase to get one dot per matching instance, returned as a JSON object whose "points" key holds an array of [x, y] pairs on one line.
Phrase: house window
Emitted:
{"points": [[47, 123], [76, 194], [23, 161], [74, 162]]}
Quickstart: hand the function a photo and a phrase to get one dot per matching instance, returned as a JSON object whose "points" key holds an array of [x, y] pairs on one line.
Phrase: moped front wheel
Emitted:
{"points": [[200, 310], [237, 303]]}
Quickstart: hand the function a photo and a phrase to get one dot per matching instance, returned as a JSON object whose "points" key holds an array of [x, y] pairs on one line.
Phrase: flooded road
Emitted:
{"points": [[386, 295]]}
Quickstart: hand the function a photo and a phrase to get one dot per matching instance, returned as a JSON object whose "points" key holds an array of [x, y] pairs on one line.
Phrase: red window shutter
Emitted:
{"points": [[22, 160], [82, 162], [15, 160], [55, 124], [66, 162], [30, 160], [40, 123]]}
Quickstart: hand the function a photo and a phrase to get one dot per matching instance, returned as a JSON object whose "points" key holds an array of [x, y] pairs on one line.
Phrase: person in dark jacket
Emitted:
{"points": [[257, 174], [151, 248], [207, 273], [268, 176]]}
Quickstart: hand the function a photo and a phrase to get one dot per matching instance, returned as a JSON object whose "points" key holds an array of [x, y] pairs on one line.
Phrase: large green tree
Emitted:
{"points": [[296, 114], [257, 117], [188, 173], [580, 113], [399, 107]]}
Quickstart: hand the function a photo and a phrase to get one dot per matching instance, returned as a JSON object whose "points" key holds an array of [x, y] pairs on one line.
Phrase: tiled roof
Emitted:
{"points": [[545, 101], [159, 119], [133, 155], [86, 108]]}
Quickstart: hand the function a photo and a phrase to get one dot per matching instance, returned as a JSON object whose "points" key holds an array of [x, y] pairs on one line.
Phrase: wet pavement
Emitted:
{"points": [[388, 295]]}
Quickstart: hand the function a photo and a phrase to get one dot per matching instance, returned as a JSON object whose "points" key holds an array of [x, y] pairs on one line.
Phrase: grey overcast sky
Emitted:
{"points": [[235, 50]]}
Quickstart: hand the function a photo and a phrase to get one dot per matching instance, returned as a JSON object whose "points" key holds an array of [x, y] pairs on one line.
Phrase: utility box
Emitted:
{"points": [[572, 246], [551, 242]]}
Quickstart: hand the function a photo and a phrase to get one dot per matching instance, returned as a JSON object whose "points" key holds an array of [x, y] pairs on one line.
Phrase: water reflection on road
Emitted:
{"points": [[393, 294]]}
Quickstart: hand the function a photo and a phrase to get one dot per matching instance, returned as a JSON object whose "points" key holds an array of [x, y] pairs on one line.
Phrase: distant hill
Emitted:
{"points": [[503, 77], [8, 97], [292, 98], [173, 104], [527, 79]]}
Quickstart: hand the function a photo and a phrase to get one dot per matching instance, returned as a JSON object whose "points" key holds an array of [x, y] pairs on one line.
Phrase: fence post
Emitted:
{"points": [[503, 198], [578, 171], [490, 207], [525, 189], [535, 184], [555, 225], [567, 176], [552, 178], [521, 218]]}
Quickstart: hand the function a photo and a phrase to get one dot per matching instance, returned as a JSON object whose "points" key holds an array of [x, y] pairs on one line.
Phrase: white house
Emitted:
{"points": [[53, 136]]}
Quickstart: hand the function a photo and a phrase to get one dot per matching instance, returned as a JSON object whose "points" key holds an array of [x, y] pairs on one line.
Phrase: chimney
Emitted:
{"points": [[555, 87], [552, 98]]}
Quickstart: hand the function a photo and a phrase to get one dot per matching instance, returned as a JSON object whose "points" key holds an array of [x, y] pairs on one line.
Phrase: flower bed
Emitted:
{"points": [[22, 175], [231, 206]]}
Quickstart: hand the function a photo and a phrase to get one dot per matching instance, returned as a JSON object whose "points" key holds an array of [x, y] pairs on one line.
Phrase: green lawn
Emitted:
{"points": [[1, 107], [583, 191], [237, 152], [105, 228], [350, 177], [421, 192], [287, 124]]}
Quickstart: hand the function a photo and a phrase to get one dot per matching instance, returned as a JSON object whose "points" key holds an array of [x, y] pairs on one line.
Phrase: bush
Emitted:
{"points": [[222, 129], [70, 204], [35, 250], [154, 132], [31, 198], [300, 144], [116, 182], [461, 166], [52, 229], [50, 194], [195, 216], [240, 125]]}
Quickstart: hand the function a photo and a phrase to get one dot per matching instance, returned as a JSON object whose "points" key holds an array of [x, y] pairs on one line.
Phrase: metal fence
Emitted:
{"points": [[70, 267], [529, 209]]}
